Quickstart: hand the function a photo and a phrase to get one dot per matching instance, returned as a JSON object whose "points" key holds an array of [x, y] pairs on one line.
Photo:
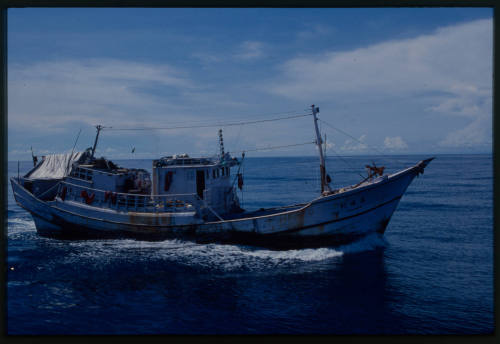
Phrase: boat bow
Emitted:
{"points": [[422, 165]]}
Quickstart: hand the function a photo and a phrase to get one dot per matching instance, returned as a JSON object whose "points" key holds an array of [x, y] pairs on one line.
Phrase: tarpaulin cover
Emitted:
{"points": [[54, 166]]}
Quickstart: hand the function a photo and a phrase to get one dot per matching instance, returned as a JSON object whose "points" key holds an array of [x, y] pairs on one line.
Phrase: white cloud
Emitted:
{"points": [[250, 50], [395, 143], [109, 150], [49, 94], [207, 58], [465, 101], [445, 73], [355, 145], [477, 134], [245, 51], [314, 31], [50, 101], [330, 145], [453, 59]]}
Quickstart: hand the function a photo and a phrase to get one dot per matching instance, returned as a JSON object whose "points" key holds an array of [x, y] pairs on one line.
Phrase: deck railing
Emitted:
{"points": [[127, 201]]}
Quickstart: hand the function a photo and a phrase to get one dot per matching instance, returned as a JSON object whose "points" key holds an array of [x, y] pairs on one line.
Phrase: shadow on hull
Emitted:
{"points": [[69, 231]]}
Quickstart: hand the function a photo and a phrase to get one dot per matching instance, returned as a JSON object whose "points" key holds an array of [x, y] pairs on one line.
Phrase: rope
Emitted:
{"points": [[213, 125]]}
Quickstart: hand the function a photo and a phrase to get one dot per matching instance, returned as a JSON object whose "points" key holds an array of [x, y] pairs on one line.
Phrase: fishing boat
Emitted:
{"points": [[78, 195]]}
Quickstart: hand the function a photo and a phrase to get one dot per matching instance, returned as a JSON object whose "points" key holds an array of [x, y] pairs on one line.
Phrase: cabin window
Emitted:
{"points": [[208, 174], [222, 171], [213, 174], [217, 173], [227, 171]]}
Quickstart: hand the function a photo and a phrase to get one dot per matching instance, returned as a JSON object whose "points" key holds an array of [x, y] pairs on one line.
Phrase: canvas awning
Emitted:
{"points": [[54, 166]]}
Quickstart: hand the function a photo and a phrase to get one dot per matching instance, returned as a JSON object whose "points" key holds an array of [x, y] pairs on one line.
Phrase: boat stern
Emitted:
{"points": [[38, 209]]}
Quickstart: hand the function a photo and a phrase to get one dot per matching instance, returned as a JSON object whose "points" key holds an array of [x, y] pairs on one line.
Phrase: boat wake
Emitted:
{"points": [[213, 257], [19, 225]]}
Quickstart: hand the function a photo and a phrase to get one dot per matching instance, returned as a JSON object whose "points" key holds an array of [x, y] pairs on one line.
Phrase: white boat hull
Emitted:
{"points": [[330, 219]]}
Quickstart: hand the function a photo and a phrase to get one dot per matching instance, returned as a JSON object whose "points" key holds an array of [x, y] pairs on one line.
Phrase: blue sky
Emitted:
{"points": [[400, 81]]}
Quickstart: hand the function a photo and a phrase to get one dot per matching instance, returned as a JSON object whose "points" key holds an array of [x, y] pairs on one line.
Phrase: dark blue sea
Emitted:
{"points": [[431, 273]]}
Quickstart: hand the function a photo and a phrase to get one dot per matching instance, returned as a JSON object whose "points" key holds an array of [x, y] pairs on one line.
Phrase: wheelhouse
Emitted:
{"points": [[209, 178]]}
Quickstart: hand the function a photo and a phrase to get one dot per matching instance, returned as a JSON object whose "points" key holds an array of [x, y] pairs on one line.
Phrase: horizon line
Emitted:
{"points": [[307, 156]]}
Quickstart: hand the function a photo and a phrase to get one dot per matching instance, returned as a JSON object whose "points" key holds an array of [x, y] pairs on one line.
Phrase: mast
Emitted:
{"points": [[98, 127], [319, 142]]}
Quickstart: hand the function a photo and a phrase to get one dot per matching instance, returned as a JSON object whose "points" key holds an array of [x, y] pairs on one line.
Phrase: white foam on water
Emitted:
{"points": [[214, 256], [21, 221], [306, 255], [16, 225]]}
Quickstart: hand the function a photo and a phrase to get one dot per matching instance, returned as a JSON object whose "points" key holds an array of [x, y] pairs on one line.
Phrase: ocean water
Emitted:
{"points": [[431, 273]]}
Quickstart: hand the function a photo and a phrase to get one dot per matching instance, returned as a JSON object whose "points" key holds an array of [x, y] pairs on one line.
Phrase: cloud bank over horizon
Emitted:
{"points": [[450, 70], [431, 92]]}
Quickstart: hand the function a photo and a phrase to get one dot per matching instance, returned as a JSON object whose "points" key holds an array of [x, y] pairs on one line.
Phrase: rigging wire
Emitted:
{"points": [[242, 173], [77, 137], [347, 134], [336, 154], [274, 147], [237, 145], [211, 120], [229, 124], [363, 143], [267, 148], [345, 161]]}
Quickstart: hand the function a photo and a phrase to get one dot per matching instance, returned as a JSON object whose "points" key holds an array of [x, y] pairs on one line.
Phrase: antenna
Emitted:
{"points": [[35, 159]]}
